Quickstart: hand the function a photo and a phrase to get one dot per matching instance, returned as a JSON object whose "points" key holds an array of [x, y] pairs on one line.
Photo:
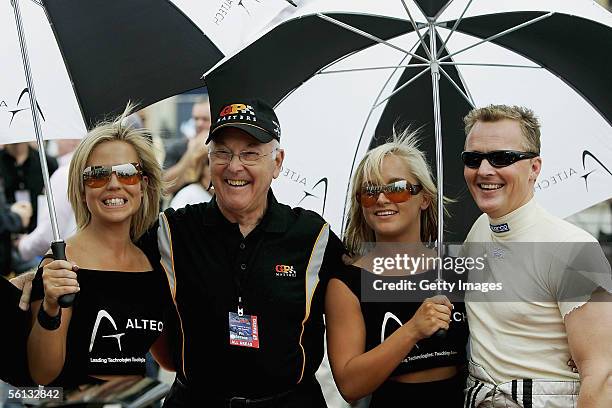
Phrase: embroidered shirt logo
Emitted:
{"points": [[285, 271], [499, 228]]}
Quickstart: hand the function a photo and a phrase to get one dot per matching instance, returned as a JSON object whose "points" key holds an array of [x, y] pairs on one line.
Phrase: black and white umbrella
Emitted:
{"points": [[66, 64], [344, 72], [88, 58]]}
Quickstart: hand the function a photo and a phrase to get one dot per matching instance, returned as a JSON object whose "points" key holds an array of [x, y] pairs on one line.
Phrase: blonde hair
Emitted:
{"points": [[117, 130], [528, 121], [405, 146]]}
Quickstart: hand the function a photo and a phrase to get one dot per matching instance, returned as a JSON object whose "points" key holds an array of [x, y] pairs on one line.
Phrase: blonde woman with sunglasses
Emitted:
{"points": [[119, 310], [386, 348]]}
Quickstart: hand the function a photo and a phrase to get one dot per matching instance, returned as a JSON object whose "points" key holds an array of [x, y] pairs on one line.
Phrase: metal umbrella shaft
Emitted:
{"points": [[435, 86], [58, 246]]}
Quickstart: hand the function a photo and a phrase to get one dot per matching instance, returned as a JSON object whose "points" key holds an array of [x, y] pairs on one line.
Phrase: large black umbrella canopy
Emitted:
{"points": [[275, 66], [138, 50]]}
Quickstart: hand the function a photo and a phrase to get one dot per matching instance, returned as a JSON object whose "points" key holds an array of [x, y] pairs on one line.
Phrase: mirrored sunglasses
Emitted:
{"points": [[497, 158], [98, 176], [397, 192]]}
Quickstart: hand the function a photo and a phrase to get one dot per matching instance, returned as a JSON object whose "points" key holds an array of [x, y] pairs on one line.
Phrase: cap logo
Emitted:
{"points": [[237, 108]]}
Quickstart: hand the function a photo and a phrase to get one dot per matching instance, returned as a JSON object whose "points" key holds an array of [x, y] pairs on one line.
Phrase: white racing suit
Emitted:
{"points": [[481, 391]]}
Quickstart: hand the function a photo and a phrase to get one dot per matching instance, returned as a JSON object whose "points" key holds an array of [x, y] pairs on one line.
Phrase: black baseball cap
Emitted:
{"points": [[253, 116]]}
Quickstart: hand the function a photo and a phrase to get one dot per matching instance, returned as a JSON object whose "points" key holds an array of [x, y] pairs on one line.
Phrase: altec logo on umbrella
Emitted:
{"points": [[17, 109]]}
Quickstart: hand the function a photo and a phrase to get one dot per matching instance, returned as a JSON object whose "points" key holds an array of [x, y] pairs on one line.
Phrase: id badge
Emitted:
{"points": [[243, 330]]}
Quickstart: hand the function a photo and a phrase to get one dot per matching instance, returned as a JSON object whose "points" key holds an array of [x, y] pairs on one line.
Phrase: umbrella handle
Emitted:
{"points": [[59, 253]]}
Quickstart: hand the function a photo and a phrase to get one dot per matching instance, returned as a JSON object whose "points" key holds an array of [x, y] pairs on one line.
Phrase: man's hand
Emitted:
{"points": [[23, 282], [24, 210], [197, 150]]}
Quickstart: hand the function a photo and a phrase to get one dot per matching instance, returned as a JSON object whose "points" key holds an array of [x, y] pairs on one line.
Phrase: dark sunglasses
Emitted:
{"points": [[497, 158], [397, 192], [98, 176]]}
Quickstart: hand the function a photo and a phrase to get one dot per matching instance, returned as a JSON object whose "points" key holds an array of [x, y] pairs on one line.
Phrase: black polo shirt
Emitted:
{"points": [[282, 268]]}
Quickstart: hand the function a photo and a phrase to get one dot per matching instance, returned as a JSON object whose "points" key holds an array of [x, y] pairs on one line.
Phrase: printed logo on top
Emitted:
{"points": [[237, 111], [286, 271], [102, 334]]}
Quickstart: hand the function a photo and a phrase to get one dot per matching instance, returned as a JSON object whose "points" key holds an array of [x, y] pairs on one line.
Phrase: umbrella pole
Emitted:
{"points": [[435, 82], [58, 246]]}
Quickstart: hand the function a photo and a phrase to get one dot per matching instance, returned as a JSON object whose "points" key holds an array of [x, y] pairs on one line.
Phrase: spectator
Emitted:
{"points": [[197, 192], [184, 156], [12, 220], [37, 242], [22, 174]]}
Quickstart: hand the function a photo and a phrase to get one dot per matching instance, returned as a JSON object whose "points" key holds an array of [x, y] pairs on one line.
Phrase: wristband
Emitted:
{"points": [[48, 322]]}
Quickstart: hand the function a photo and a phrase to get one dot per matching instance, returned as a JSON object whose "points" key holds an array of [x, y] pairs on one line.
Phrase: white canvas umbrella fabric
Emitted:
{"points": [[334, 117]]}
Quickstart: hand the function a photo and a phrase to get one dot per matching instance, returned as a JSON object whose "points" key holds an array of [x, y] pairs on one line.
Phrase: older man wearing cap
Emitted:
{"points": [[555, 302], [247, 275]]}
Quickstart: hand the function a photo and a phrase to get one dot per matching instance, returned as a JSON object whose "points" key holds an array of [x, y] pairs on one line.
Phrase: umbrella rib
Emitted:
{"points": [[402, 87], [414, 25], [452, 81], [495, 36], [464, 82], [338, 71], [443, 9], [369, 36], [453, 29], [478, 64]]}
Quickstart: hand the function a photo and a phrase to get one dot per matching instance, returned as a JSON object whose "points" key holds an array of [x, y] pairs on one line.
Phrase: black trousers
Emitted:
{"points": [[304, 395], [435, 394]]}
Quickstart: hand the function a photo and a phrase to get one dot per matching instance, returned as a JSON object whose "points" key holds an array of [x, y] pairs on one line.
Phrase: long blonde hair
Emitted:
{"points": [[117, 130], [403, 145]]}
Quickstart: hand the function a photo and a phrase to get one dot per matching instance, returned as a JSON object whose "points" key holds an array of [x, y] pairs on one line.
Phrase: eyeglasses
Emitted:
{"points": [[248, 158], [98, 176], [497, 158], [397, 192]]}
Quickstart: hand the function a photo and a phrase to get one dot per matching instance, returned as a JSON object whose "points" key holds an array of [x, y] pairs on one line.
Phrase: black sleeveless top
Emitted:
{"points": [[116, 317], [385, 315]]}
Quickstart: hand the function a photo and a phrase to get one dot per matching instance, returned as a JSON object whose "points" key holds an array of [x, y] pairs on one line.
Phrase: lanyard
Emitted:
{"points": [[241, 277]]}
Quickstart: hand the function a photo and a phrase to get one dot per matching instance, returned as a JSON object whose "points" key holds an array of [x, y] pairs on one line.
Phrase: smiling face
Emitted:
{"points": [[396, 222], [114, 202], [499, 191], [201, 116], [242, 190]]}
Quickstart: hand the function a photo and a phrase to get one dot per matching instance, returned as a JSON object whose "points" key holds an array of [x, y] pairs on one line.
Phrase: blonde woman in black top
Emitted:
{"points": [[386, 348], [119, 312]]}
